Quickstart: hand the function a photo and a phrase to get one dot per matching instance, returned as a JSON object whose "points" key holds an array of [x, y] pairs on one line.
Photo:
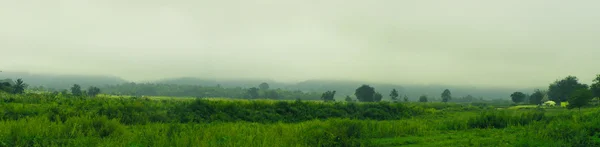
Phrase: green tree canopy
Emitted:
{"points": [[579, 98], [518, 97], [560, 90], [365, 93], [19, 87], [348, 99], [328, 96], [595, 87], [423, 98], [263, 86], [253, 92], [394, 95], [536, 97], [405, 98], [93, 91], [446, 96], [76, 90], [377, 97]]}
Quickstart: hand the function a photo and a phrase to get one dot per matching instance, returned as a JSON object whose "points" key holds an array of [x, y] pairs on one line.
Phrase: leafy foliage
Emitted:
{"points": [[595, 87], [394, 95], [518, 97], [365, 93], [328, 96], [560, 90], [423, 98], [93, 91], [76, 90], [348, 99], [147, 89], [377, 97], [263, 86], [579, 98], [19, 87], [446, 96], [536, 97]]}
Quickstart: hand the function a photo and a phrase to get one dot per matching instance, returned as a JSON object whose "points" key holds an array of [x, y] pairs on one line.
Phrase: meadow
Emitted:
{"points": [[57, 120]]}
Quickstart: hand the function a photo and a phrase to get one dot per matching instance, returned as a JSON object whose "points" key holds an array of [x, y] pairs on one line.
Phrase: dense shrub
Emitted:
{"points": [[502, 119], [136, 110]]}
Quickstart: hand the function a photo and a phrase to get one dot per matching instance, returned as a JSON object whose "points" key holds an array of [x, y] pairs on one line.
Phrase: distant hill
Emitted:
{"points": [[244, 83], [61, 81], [343, 88]]}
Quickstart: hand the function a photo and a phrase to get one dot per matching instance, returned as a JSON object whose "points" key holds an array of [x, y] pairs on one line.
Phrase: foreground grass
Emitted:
{"points": [[36, 120]]}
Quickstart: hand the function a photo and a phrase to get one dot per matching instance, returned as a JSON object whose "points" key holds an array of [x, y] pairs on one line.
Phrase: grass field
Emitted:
{"points": [[46, 120]]}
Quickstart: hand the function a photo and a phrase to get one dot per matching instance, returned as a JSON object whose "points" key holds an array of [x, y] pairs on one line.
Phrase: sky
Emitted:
{"points": [[501, 43]]}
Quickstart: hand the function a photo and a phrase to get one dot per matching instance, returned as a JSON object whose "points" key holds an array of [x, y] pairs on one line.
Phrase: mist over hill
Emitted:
{"points": [[343, 87], [56, 81]]}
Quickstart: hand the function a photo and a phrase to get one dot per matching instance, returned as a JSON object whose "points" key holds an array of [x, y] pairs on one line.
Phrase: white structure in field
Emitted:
{"points": [[550, 103]]}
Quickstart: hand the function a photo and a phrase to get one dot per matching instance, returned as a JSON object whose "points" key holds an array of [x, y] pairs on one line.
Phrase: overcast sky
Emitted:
{"points": [[508, 43]]}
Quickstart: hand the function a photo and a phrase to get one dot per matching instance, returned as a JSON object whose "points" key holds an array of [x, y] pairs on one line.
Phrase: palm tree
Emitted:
{"points": [[19, 87]]}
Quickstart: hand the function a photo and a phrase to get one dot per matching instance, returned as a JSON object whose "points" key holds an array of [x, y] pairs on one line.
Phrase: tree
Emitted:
{"points": [[394, 95], [272, 94], [64, 92], [423, 98], [348, 99], [579, 98], [19, 87], [595, 87], [377, 97], [6, 87], [253, 92], [76, 90], [560, 90], [518, 97], [93, 91], [405, 98], [536, 97], [328, 96], [446, 96], [365, 93], [263, 86]]}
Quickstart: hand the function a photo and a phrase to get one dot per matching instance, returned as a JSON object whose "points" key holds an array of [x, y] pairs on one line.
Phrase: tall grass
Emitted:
{"points": [[46, 120]]}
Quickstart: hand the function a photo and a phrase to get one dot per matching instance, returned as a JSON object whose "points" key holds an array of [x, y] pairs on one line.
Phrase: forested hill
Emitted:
{"points": [[58, 82], [343, 88]]}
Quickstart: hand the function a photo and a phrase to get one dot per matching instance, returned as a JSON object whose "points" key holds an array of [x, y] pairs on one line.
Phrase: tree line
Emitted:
{"points": [[568, 89]]}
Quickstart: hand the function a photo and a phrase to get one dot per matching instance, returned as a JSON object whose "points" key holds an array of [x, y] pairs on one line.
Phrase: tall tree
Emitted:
{"points": [[405, 98], [76, 90], [253, 92], [19, 87], [579, 98], [272, 94], [365, 93], [328, 96], [536, 97], [394, 95], [595, 87], [446, 96], [518, 97], [377, 97], [560, 90], [263, 86], [93, 91], [423, 98]]}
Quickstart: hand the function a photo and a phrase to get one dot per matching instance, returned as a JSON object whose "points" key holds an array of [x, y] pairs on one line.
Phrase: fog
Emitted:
{"points": [[504, 43]]}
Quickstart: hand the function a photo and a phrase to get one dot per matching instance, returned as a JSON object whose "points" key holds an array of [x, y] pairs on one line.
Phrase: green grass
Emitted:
{"points": [[46, 120]]}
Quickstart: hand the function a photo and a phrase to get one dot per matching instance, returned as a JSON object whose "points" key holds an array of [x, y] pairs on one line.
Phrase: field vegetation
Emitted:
{"points": [[87, 118]]}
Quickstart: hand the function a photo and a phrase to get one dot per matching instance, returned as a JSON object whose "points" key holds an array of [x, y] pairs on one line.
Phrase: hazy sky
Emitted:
{"points": [[460, 42]]}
